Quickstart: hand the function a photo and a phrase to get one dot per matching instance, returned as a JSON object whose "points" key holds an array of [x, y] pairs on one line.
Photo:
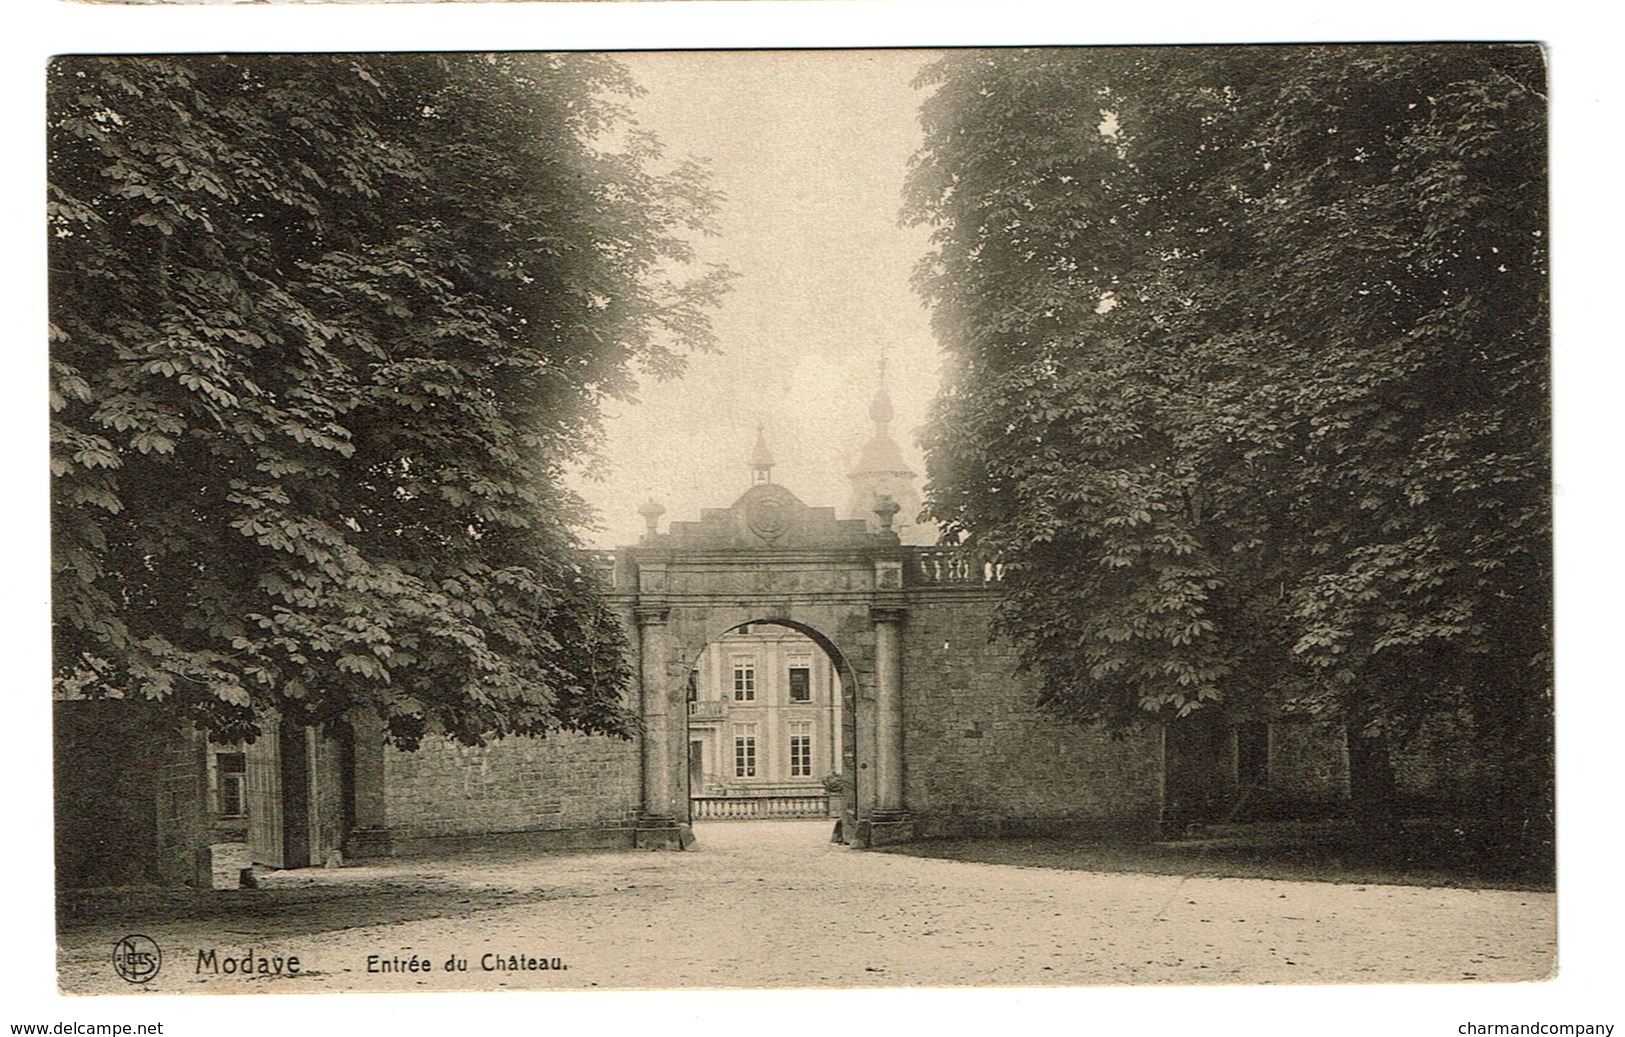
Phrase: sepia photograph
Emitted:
{"points": [[1051, 516], [562, 523]]}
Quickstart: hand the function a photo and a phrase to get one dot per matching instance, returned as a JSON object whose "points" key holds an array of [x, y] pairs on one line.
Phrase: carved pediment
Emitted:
{"points": [[766, 516]]}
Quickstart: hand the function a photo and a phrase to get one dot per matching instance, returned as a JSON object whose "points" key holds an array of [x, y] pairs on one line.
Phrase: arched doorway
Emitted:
{"points": [[771, 730], [770, 560]]}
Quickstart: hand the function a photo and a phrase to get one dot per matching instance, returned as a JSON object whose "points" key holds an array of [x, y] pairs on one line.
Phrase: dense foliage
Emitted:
{"points": [[326, 333], [1248, 378]]}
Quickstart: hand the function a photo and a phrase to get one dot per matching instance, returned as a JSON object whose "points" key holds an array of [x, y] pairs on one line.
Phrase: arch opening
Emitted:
{"points": [[770, 725]]}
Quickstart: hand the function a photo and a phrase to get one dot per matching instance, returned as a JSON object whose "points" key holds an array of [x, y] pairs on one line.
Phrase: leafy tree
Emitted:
{"points": [[326, 333], [1248, 378]]}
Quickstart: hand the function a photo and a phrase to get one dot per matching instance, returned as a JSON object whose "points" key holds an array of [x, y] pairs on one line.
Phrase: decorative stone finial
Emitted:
{"points": [[651, 510], [887, 509]]}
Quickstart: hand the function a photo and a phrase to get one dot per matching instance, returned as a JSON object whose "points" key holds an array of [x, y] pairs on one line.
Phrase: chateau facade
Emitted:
{"points": [[764, 726]]}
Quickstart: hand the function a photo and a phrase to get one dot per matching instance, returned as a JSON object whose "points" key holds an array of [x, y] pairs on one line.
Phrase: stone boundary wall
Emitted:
{"points": [[979, 756], [566, 790], [1308, 762]]}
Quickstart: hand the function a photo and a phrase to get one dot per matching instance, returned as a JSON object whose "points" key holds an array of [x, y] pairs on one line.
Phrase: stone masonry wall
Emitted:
{"points": [[567, 784], [131, 797], [183, 810], [980, 758], [1308, 762]]}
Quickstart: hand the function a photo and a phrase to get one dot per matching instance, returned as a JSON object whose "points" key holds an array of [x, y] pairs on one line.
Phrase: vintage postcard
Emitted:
{"points": [[801, 519]]}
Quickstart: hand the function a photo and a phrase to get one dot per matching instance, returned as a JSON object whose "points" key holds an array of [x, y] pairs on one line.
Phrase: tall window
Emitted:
{"points": [[745, 752], [801, 750], [231, 773], [800, 684], [745, 680]]}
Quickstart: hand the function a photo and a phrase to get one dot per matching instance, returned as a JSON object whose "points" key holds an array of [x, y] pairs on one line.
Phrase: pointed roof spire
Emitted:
{"points": [[761, 458], [881, 453], [880, 411]]}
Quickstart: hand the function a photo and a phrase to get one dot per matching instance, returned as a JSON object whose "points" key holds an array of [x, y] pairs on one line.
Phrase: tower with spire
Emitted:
{"points": [[761, 459], [882, 472]]}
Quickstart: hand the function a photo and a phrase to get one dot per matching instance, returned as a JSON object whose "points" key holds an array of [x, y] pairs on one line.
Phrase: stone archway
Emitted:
{"points": [[912, 626], [770, 654], [769, 559]]}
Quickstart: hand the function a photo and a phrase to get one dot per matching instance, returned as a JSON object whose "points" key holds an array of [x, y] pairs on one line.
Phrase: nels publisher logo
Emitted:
{"points": [[137, 958]]}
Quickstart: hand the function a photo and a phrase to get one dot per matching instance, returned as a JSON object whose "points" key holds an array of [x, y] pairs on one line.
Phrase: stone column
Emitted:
{"points": [[891, 822], [657, 821]]}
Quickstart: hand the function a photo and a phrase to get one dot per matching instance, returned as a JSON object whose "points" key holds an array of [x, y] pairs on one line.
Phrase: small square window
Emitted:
{"points": [[800, 684]]}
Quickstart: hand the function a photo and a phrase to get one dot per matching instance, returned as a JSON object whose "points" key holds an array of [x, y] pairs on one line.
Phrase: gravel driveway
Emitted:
{"points": [[775, 904]]}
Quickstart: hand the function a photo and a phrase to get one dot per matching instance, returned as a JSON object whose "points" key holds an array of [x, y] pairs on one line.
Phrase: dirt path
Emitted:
{"points": [[777, 905]]}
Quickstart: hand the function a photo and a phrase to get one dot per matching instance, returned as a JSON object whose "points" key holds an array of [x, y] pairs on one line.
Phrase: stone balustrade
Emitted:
{"points": [[949, 566], [745, 808], [708, 709]]}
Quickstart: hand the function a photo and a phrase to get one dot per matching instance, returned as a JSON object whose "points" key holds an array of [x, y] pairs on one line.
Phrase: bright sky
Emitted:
{"points": [[810, 149]]}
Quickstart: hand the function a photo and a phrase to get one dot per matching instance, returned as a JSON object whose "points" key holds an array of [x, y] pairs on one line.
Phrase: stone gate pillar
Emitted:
{"points": [[657, 827], [369, 836], [891, 822]]}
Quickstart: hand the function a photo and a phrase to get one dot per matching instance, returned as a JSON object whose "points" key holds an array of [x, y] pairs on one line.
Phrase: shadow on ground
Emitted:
{"points": [[1412, 853], [274, 913]]}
